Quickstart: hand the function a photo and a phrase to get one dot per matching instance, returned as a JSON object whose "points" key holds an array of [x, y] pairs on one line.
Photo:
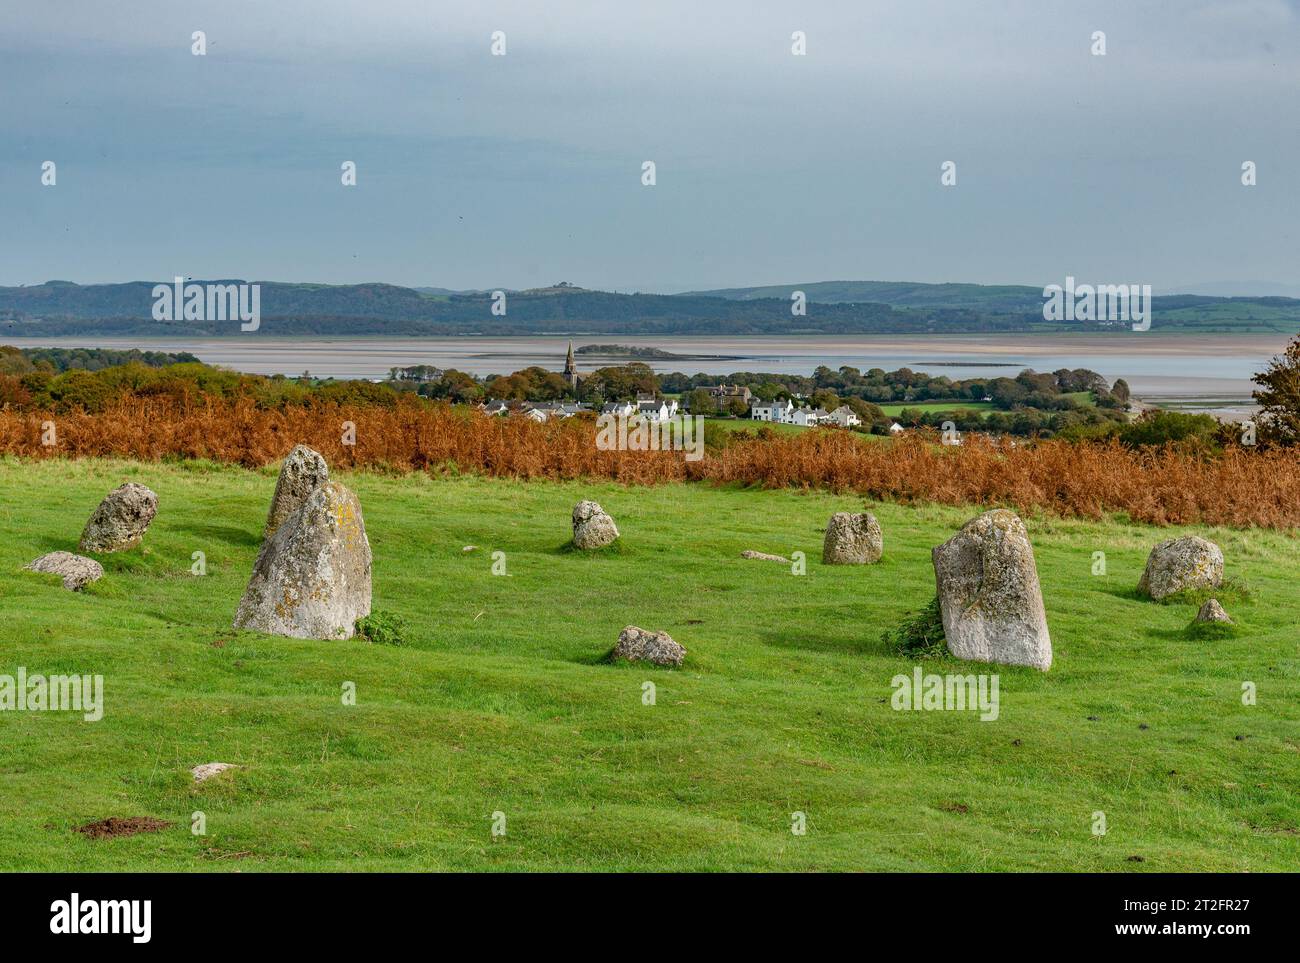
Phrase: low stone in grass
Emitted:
{"points": [[1179, 564], [77, 571], [120, 521], [852, 539], [638, 645], [312, 578], [304, 470], [1212, 611], [989, 595], [763, 556], [592, 526], [209, 769]]}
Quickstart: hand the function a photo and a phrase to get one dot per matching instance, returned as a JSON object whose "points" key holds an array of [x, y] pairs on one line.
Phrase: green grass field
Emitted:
{"points": [[749, 424], [502, 703], [932, 406]]}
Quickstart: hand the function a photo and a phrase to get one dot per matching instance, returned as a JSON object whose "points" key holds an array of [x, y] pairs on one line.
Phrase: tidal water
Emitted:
{"points": [[1193, 372]]}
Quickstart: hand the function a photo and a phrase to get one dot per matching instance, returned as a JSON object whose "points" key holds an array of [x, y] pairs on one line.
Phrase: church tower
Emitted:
{"points": [[571, 369]]}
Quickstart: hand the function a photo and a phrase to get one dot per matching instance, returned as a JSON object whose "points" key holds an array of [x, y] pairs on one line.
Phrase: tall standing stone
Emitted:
{"points": [[120, 521], [852, 539], [304, 470], [1176, 564], [312, 577], [989, 594]]}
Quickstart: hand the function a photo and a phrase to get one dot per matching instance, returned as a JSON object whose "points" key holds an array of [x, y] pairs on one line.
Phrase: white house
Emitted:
{"points": [[619, 409], [544, 410], [778, 411], [495, 407], [844, 417], [808, 417], [896, 429], [656, 409]]}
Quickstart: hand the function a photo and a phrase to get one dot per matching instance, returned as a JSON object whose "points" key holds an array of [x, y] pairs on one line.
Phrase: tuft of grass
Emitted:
{"points": [[382, 628], [1233, 590], [1213, 631], [615, 547], [919, 635]]}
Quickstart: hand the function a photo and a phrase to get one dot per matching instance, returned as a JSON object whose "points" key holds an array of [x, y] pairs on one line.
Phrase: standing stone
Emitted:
{"points": [[1212, 611], [312, 577], [120, 521], [989, 595], [592, 527], [77, 571], [303, 471], [852, 540], [1190, 562], [638, 645]]}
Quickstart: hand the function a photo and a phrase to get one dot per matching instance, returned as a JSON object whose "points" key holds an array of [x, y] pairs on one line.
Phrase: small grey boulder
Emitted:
{"points": [[303, 471], [120, 521], [852, 539], [1176, 564], [989, 595], [592, 526], [1212, 611], [210, 769], [312, 577], [638, 645], [77, 571]]}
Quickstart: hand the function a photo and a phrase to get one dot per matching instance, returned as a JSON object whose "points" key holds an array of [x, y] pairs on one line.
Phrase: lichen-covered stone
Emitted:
{"points": [[852, 539], [312, 577], [639, 645], [592, 526], [1177, 564], [120, 521], [763, 556], [303, 471], [1212, 611], [77, 571], [209, 769], [989, 593]]}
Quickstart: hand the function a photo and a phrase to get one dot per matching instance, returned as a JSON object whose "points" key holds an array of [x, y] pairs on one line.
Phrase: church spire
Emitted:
{"points": [[570, 368]]}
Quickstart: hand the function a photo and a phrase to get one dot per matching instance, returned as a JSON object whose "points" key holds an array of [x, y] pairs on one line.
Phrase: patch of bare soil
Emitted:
{"points": [[123, 826]]}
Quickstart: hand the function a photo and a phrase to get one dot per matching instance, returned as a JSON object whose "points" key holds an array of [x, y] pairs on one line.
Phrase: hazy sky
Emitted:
{"points": [[483, 171]]}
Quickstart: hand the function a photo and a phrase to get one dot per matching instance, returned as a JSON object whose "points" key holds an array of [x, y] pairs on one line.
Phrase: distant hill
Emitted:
{"points": [[909, 294], [61, 308]]}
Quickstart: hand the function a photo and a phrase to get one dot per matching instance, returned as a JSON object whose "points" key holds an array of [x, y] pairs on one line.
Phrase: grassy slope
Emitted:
{"points": [[501, 702]]}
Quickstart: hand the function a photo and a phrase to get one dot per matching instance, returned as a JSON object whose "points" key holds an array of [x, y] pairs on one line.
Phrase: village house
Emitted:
{"points": [[808, 417], [777, 411], [656, 409], [844, 417], [618, 409], [546, 410], [723, 395]]}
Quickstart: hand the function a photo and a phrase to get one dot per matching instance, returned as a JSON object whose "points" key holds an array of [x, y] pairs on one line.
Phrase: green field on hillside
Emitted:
{"points": [[502, 701], [931, 406]]}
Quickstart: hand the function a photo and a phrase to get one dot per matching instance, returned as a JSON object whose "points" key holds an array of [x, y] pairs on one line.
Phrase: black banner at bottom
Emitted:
{"points": [[333, 912]]}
